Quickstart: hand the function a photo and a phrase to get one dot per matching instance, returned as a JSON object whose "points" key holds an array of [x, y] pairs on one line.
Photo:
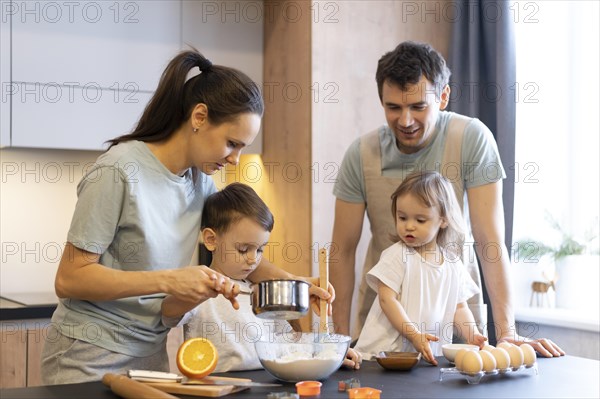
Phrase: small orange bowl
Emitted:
{"points": [[364, 393], [308, 388]]}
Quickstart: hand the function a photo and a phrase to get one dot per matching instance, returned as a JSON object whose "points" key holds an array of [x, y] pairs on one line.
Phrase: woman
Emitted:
{"points": [[137, 220]]}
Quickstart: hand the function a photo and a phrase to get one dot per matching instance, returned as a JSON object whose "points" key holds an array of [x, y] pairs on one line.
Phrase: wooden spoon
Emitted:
{"points": [[324, 283]]}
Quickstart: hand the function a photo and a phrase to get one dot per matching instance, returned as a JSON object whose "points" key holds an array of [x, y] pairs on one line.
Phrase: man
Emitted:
{"points": [[413, 88]]}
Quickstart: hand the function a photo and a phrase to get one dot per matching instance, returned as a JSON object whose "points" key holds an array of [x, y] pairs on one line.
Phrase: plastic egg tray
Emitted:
{"points": [[476, 377]]}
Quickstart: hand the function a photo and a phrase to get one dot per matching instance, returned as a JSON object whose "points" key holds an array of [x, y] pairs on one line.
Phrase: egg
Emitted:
{"points": [[502, 358], [529, 356], [488, 348], [459, 356], [504, 345], [471, 362], [516, 356], [489, 361]]}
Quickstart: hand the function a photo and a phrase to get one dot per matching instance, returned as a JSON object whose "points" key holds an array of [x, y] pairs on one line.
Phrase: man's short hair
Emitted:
{"points": [[408, 62]]}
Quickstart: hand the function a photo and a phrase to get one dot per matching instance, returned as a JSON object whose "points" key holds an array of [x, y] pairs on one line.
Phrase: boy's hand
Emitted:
{"points": [[230, 291], [421, 343], [317, 294]]}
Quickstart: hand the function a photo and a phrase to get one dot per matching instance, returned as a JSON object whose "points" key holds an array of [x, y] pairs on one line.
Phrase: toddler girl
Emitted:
{"points": [[422, 286]]}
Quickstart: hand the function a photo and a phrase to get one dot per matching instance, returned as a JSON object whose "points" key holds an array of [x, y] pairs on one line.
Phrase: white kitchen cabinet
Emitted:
{"points": [[106, 43], [4, 78], [21, 344], [82, 72], [13, 362], [72, 117]]}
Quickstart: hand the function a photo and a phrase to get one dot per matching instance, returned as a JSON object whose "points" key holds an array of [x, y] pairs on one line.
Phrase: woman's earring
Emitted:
{"points": [[195, 130]]}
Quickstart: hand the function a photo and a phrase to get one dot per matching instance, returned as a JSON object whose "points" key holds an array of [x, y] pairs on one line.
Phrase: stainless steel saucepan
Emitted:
{"points": [[280, 299]]}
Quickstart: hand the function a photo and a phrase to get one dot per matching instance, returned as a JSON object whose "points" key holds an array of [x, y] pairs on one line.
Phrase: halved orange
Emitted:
{"points": [[197, 358]]}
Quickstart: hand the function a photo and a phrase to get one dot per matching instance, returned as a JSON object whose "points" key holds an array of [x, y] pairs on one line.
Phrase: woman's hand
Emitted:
{"points": [[353, 359], [199, 283], [543, 346], [194, 285], [421, 343]]}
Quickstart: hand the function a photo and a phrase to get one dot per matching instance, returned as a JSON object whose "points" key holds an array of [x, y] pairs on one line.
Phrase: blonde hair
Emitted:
{"points": [[434, 190]]}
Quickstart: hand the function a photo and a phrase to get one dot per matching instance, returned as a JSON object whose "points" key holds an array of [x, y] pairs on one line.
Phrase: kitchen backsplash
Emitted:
{"points": [[37, 199]]}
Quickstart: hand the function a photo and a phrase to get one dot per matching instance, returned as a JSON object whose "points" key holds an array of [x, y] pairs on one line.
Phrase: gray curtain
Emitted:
{"points": [[482, 61]]}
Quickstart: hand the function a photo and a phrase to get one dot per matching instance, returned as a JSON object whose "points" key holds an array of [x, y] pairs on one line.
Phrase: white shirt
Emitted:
{"points": [[428, 293], [233, 332]]}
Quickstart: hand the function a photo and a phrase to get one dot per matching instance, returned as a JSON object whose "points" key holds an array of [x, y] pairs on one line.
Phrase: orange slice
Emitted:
{"points": [[197, 358]]}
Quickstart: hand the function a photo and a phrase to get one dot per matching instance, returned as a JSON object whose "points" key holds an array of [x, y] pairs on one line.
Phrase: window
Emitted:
{"points": [[557, 146]]}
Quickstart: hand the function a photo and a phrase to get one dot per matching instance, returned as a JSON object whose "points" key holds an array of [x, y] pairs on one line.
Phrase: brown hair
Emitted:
{"points": [[226, 92], [434, 190], [233, 203], [408, 62]]}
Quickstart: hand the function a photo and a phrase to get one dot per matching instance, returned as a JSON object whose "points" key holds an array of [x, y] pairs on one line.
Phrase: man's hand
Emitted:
{"points": [[543, 346]]}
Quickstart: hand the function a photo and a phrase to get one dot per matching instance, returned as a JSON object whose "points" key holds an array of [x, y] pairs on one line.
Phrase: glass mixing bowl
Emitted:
{"points": [[294, 357]]}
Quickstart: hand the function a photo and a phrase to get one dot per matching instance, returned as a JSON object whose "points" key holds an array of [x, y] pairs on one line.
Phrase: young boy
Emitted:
{"points": [[236, 225]]}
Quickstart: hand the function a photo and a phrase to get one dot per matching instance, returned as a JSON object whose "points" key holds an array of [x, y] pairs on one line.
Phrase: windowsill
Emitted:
{"points": [[566, 318]]}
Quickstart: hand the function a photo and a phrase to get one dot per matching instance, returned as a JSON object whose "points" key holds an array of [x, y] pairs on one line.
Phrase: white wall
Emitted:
{"points": [[37, 199]]}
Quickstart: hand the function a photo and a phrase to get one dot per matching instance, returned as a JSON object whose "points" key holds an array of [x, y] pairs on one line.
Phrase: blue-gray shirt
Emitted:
{"points": [[480, 159], [137, 215]]}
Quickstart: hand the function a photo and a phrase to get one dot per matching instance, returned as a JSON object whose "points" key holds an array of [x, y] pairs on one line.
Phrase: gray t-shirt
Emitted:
{"points": [[481, 162], [137, 215]]}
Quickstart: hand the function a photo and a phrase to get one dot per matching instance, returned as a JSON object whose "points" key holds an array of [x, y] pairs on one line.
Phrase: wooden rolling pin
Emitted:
{"points": [[130, 389]]}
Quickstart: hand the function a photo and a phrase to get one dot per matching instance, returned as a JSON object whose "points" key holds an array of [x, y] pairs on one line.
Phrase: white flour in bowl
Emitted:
{"points": [[302, 369], [302, 356]]}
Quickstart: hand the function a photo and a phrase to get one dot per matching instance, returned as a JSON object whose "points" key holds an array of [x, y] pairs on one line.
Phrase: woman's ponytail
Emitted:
{"points": [[190, 79]]}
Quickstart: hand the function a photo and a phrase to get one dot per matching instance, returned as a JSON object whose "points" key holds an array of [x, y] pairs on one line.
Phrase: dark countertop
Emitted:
{"points": [[565, 377], [25, 305]]}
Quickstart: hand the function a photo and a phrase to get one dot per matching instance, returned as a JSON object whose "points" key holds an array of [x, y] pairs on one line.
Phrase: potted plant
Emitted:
{"points": [[576, 263]]}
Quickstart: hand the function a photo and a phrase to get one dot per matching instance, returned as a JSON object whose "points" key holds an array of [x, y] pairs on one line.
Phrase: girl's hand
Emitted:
{"points": [[421, 343], [352, 360], [478, 340]]}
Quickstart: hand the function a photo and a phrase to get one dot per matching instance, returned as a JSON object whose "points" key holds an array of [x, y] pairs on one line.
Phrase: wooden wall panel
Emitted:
{"points": [[287, 131], [287, 134]]}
